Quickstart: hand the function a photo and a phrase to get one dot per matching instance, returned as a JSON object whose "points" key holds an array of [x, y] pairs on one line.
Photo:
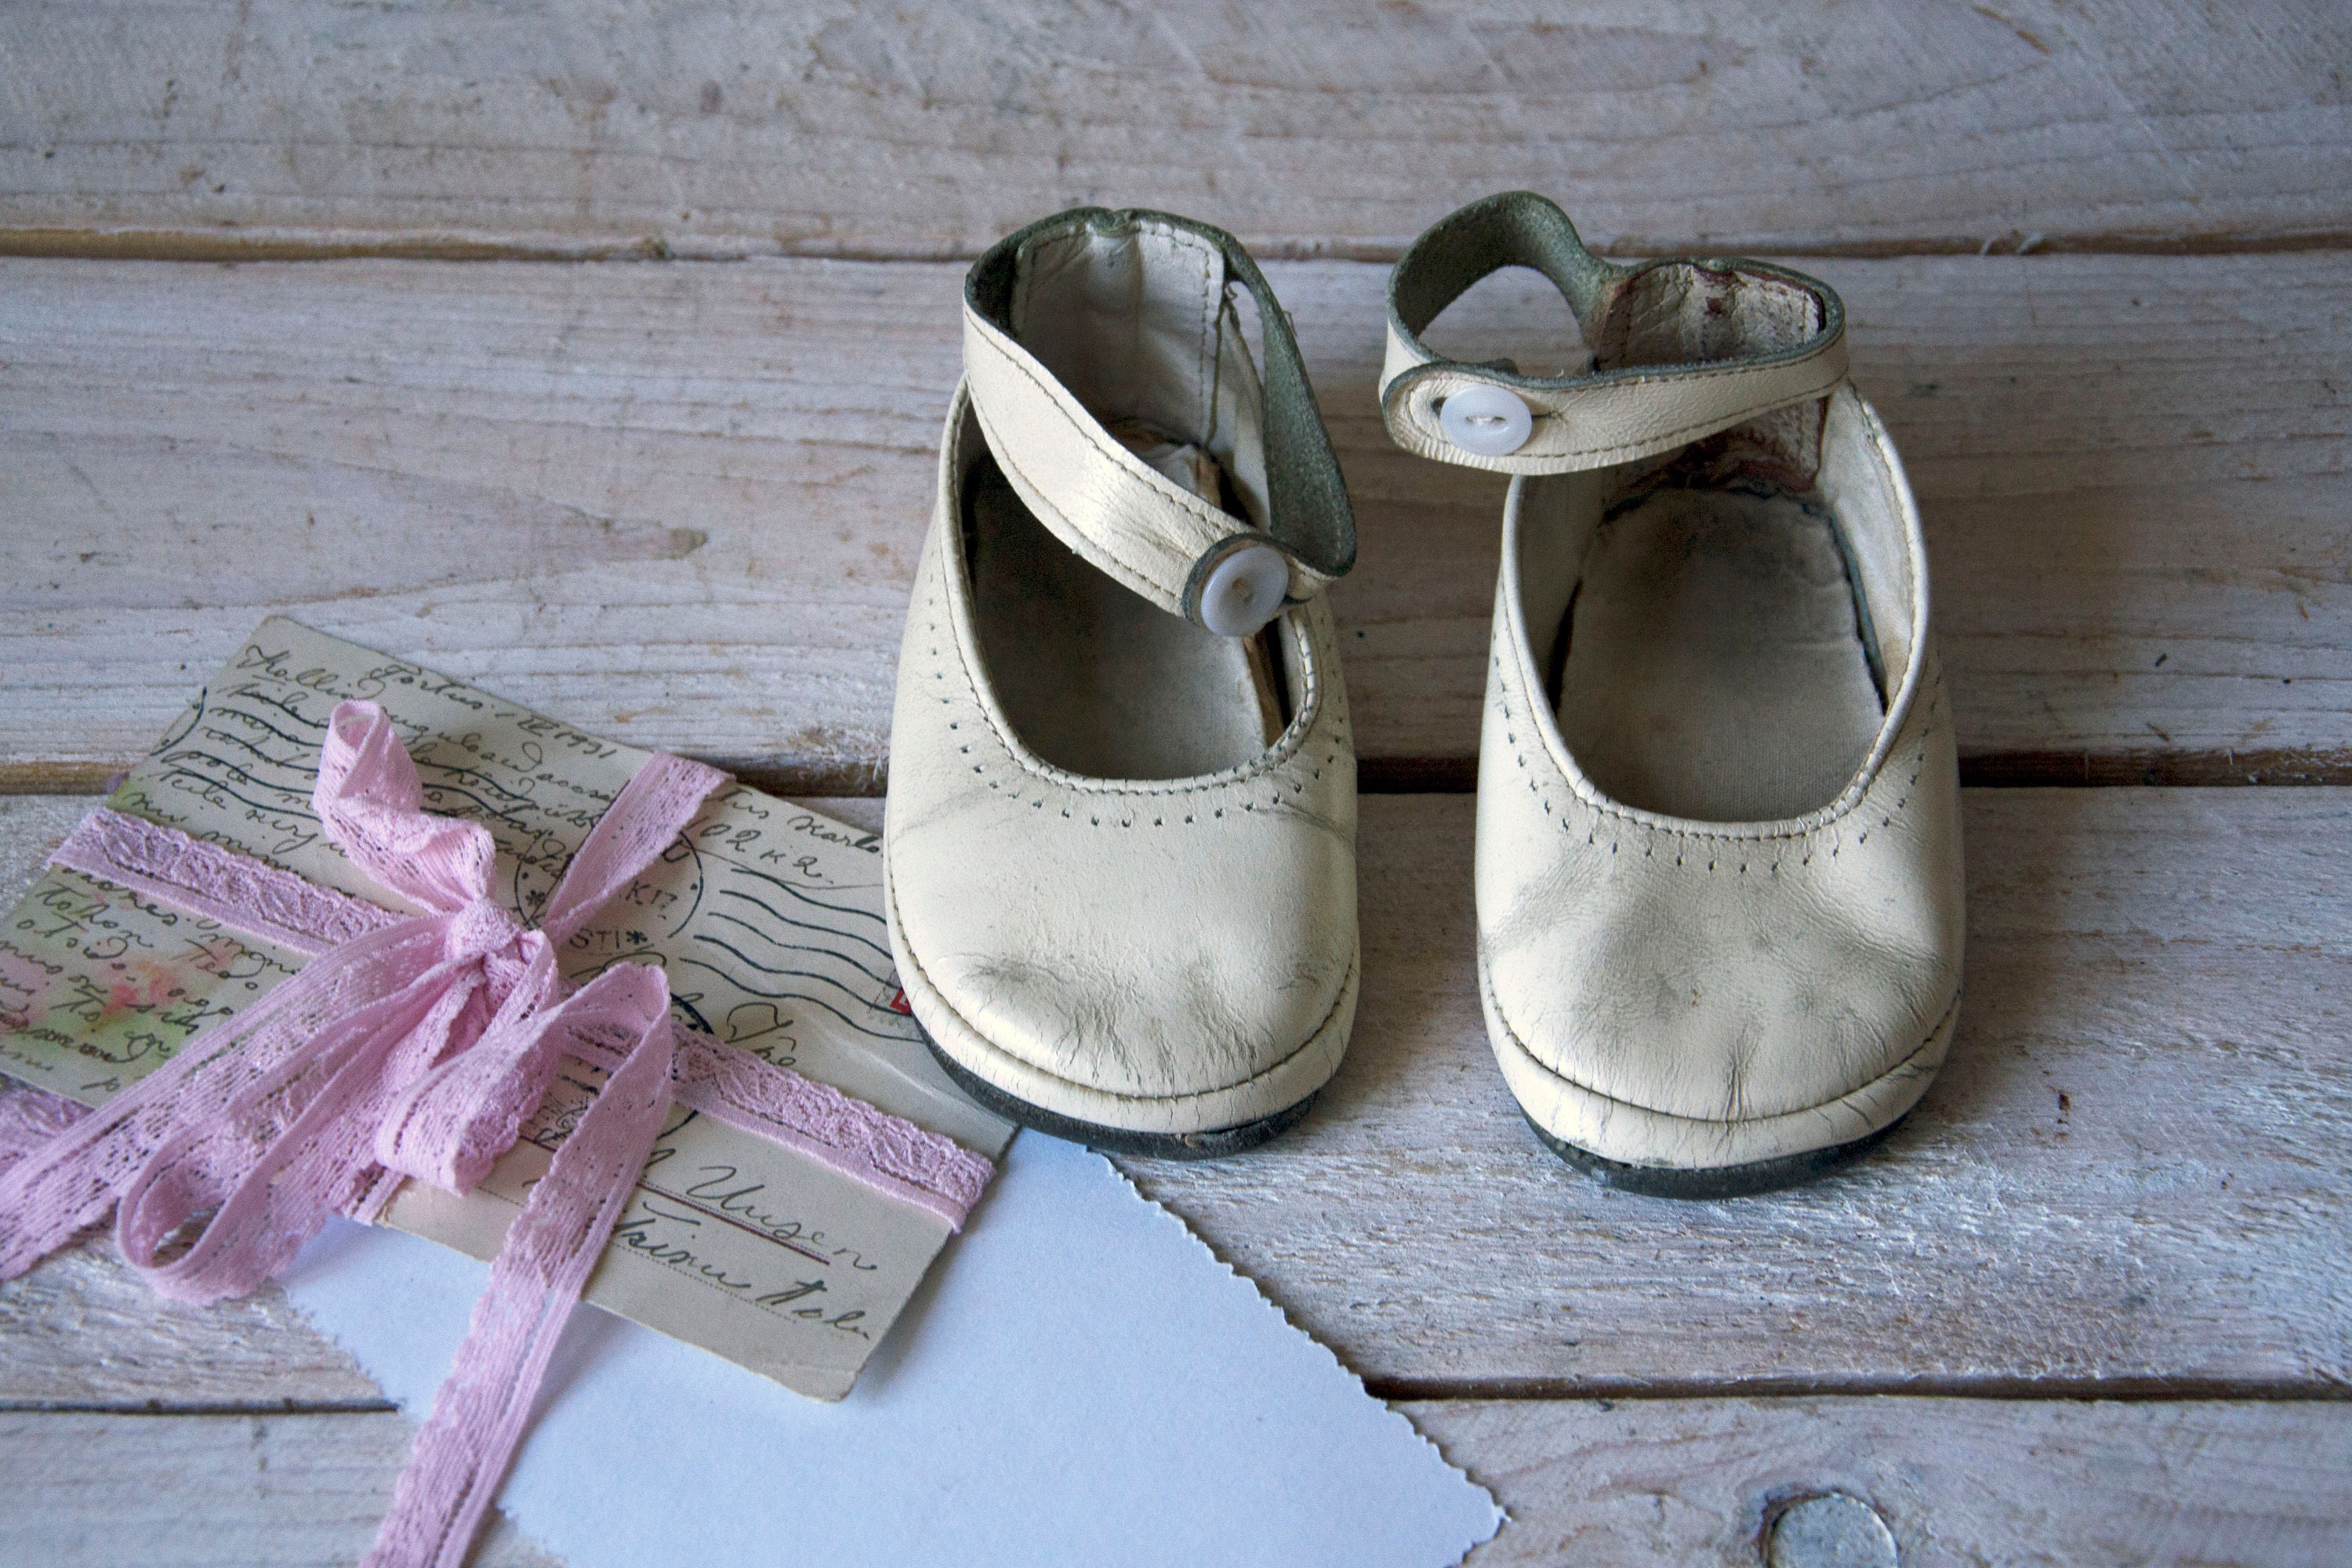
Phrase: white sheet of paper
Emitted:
{"points": [[1084, 1382]]}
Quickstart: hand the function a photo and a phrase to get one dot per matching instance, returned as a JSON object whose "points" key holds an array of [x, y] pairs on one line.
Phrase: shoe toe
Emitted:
{"points": [[1720, 1012], [1126, 970], [1663, 996]]}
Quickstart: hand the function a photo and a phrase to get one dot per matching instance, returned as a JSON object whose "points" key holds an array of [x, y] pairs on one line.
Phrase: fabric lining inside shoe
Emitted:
{"points": [[1096, 679], [1713, 663]]}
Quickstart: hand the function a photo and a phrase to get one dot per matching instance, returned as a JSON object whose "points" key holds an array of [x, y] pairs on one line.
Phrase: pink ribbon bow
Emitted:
{"points": [[413, 1049]]}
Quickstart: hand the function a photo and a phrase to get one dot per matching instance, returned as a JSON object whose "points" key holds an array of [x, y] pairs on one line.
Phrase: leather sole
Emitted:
{"points": [[1721, 1182], [1211, 1145]]}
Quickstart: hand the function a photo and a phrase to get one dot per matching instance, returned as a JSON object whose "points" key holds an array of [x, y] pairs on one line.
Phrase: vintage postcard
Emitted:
{"points": [[766, 916]]}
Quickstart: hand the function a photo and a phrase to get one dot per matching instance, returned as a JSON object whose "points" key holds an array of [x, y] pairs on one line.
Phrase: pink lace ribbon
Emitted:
{"points": [[414, 1047], [886, 1153], [252, 896], [29, 1118]]}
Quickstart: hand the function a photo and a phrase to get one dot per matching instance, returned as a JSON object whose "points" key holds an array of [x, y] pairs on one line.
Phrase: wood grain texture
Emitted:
{"points": [[2131, 1178], [242, 1491], [679, 504], [731, 128], [1686, 1483], [2132, 1175], [2182, 1203], [1693, 1483], [30, 827], [82, 1332]]}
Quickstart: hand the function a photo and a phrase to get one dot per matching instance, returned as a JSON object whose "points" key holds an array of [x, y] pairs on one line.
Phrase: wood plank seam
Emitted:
{"points": [[2123, 1183], [693, 531], [1459, 775], [212, 246], [196, 1407], [2004, 1390], [929, 129]]}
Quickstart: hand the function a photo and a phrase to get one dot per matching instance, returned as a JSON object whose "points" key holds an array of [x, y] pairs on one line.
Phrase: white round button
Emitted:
{"points": [[1488, 420], [1244, 591]]}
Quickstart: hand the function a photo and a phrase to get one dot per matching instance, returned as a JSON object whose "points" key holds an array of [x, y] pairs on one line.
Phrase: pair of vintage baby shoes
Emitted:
{"points": [[1718, 873]]}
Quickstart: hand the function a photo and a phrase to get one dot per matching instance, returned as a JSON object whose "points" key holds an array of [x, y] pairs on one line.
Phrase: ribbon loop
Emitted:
{"points": [[449, 1124], [414, 1047], [644, 819], [372, 803]]}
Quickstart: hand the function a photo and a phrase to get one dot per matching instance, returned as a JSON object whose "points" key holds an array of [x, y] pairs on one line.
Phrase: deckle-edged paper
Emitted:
{"points": [[1129, 1401], [766, 916]]}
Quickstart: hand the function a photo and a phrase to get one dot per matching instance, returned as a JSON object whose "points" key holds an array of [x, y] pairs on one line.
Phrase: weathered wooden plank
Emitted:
{"points": [[679, 503], [1681, 1482], [30, 827], [928, 129], [83, 1332], [1693, 1483], [2132, 1177], [231, 1491], [2133, 1174]]}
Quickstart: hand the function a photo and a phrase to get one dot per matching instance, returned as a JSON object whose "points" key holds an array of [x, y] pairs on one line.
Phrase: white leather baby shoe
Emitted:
{"points": [[1120, 835], [1718, 858]]}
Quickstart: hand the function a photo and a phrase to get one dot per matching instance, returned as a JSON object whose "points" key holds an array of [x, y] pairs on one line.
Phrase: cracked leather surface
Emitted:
{"points": [[1157, 955], [1667, 992]]}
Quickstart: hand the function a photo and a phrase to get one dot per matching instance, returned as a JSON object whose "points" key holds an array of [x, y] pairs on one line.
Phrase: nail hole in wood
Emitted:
{"points": [[1829, 1531]]}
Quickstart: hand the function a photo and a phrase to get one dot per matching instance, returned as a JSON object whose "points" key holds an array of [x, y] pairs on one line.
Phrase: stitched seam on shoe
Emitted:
{"points": [[1607, 807], [1505, 667], [1204, 379], [1715, 371], [1914, 560], [1610, 809], [1355, 963], [1679, 435], [1272, 761], [1486, 984]]}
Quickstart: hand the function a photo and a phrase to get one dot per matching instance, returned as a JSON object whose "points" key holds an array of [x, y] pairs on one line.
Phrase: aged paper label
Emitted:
{"points": [[767, 918]]}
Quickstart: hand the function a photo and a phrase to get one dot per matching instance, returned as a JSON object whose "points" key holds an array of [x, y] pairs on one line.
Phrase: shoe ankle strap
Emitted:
{"points": [[1681, 348], [1147, 533]]}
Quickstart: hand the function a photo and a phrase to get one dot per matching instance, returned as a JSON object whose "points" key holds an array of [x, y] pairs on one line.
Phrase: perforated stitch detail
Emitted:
{"points": [[1511, 695], [1275, 758]]}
